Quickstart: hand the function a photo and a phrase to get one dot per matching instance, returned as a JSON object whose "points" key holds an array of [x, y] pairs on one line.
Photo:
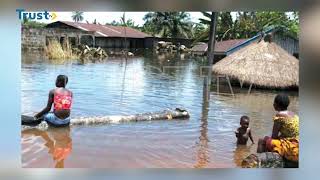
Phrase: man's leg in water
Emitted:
{"points": [[30, 120]]}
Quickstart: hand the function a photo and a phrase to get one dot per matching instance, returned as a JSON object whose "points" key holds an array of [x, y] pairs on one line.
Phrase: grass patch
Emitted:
{"points": [[56, 51]]}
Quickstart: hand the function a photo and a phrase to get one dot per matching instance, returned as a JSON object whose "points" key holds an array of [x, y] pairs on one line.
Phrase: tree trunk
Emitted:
{"points": [[162, 115]]}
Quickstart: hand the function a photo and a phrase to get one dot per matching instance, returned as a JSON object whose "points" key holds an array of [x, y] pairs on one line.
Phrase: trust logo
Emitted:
{"points": [[23, 15]]}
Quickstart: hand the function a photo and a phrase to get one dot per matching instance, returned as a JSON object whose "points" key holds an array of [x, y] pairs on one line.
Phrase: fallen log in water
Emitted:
{"points": [[162, 115]]}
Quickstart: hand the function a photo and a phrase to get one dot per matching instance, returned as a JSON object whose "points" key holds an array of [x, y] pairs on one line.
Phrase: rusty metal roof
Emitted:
{"points": [[200, 47], [220, 46], [224, 46], [107, 30]]}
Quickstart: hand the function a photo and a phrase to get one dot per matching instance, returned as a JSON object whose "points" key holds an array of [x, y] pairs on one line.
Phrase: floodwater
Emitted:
{"points": [[143, 84]]}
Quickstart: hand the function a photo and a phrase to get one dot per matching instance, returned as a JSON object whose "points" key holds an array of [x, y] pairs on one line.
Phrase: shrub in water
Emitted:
{"points": [[55, 51]]}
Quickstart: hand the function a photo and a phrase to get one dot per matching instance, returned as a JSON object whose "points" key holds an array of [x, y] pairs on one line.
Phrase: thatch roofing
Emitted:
{"points": [[264, 64]]}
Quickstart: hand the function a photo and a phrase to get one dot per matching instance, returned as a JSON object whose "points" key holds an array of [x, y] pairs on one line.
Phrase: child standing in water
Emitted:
{"points": [[61, 99], [243, 133]]}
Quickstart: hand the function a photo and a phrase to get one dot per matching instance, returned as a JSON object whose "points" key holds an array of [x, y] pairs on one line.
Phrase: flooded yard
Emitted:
{"points": [[143, 84]]}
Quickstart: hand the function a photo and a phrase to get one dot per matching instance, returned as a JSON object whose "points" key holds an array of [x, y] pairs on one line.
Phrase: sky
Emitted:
{"points": [[108, 17]]}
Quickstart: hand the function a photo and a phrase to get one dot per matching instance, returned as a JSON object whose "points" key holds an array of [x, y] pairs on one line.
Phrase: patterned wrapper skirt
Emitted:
{"points": [[286, 147]]}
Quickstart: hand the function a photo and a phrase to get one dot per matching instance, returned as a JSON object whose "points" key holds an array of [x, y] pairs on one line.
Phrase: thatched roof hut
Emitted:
{"points": [[263, 64]]}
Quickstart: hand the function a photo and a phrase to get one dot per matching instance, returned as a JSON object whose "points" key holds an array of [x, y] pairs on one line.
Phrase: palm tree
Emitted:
{"points": [[168, 24], [77, 16], [226, 28]]}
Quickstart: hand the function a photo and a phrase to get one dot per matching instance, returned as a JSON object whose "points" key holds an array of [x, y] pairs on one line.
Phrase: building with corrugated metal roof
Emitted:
{"points": [[221, 47], [113, 38], [227, 47], [105, 36]]}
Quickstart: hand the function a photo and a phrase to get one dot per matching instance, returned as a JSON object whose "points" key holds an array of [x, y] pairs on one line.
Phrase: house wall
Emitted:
{"points": [[34, 40], [119, 43], [106, 42], [87, 40], [150, 42], [288, 43]]}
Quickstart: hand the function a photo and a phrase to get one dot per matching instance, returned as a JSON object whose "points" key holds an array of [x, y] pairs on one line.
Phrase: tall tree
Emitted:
{"points": [[167, 24], [114, 23], [197, 29], [77, 16], [248, 24], [288, 21], [128, 22], [225, 28]]}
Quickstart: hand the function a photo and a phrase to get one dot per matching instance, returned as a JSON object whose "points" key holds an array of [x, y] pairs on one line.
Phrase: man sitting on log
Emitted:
{"points": [[61, 99]]}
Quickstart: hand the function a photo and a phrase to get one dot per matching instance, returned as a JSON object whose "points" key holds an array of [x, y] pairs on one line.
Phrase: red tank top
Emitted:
{"points": [[62, 99]]}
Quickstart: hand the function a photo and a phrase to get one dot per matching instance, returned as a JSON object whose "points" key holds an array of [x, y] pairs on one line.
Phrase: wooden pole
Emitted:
{"points": [[93, 41], [218, 84], [211, 43], [241, 83], [249, 91], [125, 36], [210, 56], [229, 83]]}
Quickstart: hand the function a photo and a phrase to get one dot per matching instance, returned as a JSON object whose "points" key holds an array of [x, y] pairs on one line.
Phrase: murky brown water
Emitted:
{"points": [[206, 140]]}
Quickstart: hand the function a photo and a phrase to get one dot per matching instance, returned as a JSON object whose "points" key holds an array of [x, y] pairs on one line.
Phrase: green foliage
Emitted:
{"points": [[114, 23], [226, 28], [77, 16], [124, 22], [33, 24], [129, 23], [168, 24], [198, 29], [248, 24]]}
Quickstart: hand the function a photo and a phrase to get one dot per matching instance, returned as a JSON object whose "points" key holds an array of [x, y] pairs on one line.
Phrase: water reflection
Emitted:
{"points": [[203, 157], [141, 85], [57, 141], [240, 152]]}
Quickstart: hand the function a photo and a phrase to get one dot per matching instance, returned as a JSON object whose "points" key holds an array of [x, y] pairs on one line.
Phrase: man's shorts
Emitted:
{"points": [[52, 119]]}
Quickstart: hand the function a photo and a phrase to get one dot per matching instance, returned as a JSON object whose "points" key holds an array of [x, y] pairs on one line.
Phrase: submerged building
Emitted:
{"points": [[97, 35], [34, 40], [262, 64], [227, 47]]}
